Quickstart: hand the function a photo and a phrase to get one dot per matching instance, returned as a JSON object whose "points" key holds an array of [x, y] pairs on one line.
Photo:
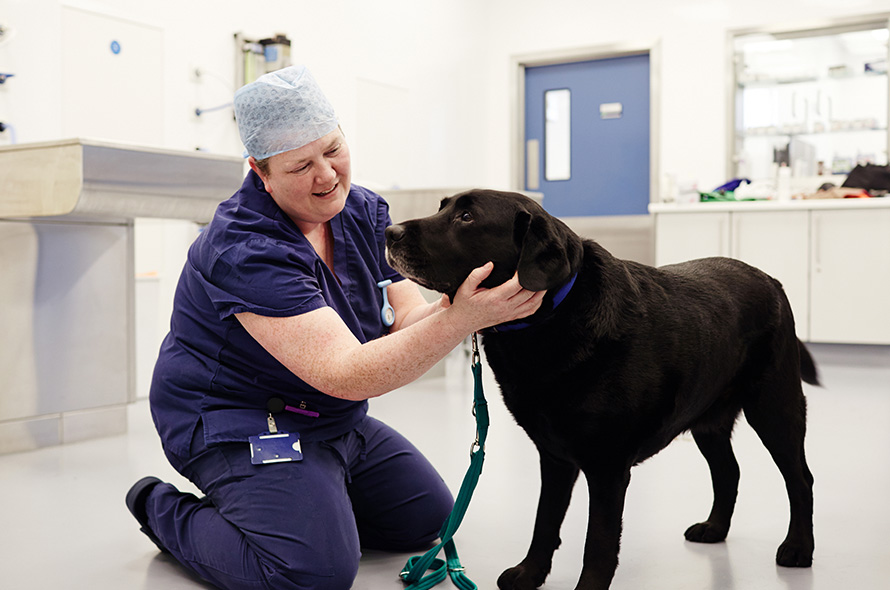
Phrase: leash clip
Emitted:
{"points": [[477, 358], [475, 447]]}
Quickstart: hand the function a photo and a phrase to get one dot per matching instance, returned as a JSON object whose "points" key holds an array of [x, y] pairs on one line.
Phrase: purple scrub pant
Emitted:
{"points": [[299, 525]]}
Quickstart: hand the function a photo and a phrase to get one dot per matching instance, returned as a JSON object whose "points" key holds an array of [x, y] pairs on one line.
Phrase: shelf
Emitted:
{"points": [[772, 205], [770, 82], [780, 134]]}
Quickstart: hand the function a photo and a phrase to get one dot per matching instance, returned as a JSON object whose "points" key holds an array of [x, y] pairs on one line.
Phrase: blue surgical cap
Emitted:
{"points": [[282, 111]]}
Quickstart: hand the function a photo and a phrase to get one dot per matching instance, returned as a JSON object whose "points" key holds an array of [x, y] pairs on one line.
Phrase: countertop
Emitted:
{"points": [[792, 205]]}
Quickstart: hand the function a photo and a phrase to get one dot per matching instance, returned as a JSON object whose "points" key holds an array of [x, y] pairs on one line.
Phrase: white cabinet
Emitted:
{"points": [[850, 282], [686, 236], [774, 242], [832, 258], [777, 243]]}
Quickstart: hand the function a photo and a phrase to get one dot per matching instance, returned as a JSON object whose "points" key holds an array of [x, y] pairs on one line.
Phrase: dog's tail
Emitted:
{"points": [[808, 371]]}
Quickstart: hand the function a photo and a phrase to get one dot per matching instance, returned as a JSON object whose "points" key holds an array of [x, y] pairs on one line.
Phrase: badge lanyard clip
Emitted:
{"points": [[387, 313], [274, 446]]}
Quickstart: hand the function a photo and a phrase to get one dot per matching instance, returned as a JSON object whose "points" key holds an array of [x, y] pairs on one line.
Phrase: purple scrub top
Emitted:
{"points": [[253, 258]]}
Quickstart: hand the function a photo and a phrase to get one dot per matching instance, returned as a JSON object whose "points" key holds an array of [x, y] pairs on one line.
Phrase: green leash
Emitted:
{"points": [[413, 572]]}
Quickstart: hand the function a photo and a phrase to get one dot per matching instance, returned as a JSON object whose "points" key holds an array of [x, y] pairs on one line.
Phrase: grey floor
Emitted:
{"points": [[63, 523]]}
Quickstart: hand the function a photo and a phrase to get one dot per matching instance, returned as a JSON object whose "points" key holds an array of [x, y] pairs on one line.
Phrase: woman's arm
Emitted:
{"points": [[319, 348], [410, 305]]}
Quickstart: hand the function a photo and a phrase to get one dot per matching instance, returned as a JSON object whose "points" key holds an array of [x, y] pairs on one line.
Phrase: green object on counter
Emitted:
{"points": [[720, 197]]}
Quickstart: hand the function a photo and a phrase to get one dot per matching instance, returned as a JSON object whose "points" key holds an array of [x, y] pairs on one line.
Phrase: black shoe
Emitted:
{"points": [[136, 498]]}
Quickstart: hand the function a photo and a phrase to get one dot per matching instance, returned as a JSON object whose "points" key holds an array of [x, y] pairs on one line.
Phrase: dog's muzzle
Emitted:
{"points": [[394, 233]]}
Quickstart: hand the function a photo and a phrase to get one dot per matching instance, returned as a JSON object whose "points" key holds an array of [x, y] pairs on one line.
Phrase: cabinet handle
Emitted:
{"points": [[817, 243], [725, 237], [735, 236]]}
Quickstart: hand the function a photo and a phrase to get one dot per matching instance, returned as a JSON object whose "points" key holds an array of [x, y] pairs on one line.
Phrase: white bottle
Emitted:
{"points": [[783, 183]]}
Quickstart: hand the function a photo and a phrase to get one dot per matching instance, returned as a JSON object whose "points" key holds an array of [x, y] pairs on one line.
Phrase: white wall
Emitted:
{"points": [[445, 63], [425, 52]]}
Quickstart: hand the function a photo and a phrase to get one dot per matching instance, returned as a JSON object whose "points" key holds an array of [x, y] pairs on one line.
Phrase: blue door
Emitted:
{"points": [[587, 136]]}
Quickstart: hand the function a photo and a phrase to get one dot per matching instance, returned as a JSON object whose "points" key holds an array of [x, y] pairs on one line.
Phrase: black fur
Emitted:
{"points": [[633, 357]]}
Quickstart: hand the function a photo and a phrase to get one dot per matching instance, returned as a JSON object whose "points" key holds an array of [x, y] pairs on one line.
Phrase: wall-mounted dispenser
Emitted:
{"points": [[254, 58]]}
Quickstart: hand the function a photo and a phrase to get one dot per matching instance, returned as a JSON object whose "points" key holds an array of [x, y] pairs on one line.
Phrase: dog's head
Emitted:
{"points": [[479, 226]]}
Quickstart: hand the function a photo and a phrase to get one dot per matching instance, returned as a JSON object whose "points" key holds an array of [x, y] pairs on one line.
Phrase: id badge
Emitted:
{"points": [[279, 447]]}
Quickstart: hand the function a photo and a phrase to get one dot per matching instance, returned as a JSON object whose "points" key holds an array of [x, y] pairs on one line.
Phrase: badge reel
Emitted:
{"points": [[387, 313], [275, 446]]}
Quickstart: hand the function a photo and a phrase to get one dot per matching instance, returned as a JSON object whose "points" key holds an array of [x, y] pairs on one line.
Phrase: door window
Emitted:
{"points": [[558, 134]]}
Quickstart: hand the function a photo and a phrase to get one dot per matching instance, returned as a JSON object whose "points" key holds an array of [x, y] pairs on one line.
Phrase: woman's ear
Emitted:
{"points": [[251, 161]]}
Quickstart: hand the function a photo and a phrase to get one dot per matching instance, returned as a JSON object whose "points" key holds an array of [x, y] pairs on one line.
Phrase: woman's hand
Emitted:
{"points": [[481, 308]]}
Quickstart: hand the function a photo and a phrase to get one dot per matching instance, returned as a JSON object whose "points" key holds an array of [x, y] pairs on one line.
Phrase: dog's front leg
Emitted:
{"points": [[557, 480], [607, 492]]}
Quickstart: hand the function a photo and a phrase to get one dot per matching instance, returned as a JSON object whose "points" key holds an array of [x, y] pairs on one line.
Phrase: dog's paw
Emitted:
{"points": [[521, 577], [795, 554], [706, 532]]}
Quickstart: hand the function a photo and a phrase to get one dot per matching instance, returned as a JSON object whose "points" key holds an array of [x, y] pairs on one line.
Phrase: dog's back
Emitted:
{"points": [[672, 340]]}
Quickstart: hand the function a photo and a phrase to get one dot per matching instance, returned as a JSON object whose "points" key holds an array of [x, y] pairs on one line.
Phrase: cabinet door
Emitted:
{"points": [[777, 242], [687, 236], [851, 276]]}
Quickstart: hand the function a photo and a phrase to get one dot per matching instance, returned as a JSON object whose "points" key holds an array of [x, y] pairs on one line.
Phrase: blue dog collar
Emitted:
{"points": [[558, 298], [564, 291]]}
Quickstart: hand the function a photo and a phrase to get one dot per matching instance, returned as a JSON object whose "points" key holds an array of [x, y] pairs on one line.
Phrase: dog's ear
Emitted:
{"points": [[549, 251]]}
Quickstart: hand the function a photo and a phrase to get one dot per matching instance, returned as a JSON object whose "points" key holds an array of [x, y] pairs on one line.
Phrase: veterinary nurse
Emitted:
{"points": [[277, 329]]}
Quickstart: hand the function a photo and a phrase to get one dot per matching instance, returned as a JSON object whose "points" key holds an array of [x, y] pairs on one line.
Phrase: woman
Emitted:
{"points": [[277, 328]]}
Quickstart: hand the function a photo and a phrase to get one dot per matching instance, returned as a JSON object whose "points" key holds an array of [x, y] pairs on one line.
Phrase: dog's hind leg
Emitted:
{"points": [[778, 415], [717, 450], [557, 480]]}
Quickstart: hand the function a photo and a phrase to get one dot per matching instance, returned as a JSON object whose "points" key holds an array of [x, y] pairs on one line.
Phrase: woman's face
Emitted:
{"points": [[310, 183]]}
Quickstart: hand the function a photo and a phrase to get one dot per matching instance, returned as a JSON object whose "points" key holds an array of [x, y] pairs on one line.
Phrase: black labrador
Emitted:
{"points": [[620, 359]]}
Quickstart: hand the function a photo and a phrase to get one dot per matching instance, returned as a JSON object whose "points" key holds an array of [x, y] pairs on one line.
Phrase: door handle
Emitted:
{"points": [[533, 164]]}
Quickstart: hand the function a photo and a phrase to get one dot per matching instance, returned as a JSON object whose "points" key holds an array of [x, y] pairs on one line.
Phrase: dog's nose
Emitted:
{"points": [[394, 233]]}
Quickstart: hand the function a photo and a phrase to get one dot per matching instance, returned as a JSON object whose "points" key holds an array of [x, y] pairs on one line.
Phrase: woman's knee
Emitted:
{"points": [[414, 526], [426, 521], [335, 572]]}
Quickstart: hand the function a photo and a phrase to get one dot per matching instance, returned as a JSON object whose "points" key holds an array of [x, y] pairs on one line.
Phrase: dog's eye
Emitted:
{"points": [[466, 217]]}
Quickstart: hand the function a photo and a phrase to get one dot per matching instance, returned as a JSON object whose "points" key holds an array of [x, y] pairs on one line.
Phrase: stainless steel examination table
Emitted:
{"points": [[67, 362]]}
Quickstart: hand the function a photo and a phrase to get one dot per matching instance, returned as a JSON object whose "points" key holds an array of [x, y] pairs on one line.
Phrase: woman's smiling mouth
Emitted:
{"points": [[327, 192]]}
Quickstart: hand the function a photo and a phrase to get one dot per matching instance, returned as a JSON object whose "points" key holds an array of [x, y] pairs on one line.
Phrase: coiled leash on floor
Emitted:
{"points": [[413, 572]]}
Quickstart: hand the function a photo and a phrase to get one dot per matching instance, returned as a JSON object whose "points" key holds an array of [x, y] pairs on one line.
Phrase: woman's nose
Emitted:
{"points": [[325, 174]]}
